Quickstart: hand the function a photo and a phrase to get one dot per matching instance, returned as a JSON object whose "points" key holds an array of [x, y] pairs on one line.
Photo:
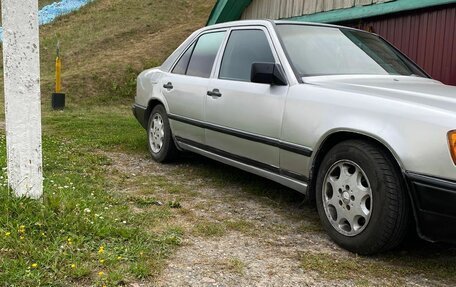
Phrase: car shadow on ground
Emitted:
{"points": [[289, 200]]}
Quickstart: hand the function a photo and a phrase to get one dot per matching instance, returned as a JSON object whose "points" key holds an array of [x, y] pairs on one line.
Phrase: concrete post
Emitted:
{"points": [[22, 96]]}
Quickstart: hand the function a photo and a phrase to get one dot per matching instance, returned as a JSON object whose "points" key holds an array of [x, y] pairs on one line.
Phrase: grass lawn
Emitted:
{"points": [[81, 232], [95, 227]]}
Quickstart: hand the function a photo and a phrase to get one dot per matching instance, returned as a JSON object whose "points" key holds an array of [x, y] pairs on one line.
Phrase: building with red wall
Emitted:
{"points": [[425, 30]]}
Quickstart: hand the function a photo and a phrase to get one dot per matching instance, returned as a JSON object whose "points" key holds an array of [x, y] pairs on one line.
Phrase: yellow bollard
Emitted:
{"points": [[58, 98], [58, 75]]}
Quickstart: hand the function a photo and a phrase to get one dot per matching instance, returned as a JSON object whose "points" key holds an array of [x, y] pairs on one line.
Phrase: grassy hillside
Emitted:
{"points": [[105, 45]]}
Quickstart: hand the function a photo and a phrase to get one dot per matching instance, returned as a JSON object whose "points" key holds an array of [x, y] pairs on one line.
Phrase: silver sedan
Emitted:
{"points": [[335, 113]]}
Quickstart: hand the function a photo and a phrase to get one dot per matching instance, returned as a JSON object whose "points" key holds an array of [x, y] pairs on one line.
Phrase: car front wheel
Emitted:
{"points": [[161, 144], [361, 200]]}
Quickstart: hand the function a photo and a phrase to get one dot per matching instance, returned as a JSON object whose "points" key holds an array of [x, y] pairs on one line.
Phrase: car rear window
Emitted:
{"points": [[204, 54]]}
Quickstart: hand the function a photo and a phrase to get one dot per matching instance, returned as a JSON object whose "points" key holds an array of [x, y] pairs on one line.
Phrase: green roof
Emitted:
{"points": [[227, 10], [231, 10]]}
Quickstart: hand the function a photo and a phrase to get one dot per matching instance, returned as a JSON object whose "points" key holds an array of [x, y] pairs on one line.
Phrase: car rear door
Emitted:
{"points": [[244, 118], [186, 86]]}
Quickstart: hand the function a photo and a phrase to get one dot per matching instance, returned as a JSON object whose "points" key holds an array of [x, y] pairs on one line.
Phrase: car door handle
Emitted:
{"points": [[168, 86], [214, 93]]}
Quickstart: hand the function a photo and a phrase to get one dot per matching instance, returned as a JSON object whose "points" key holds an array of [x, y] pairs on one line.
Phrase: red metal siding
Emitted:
{"points": [[427, 36]]}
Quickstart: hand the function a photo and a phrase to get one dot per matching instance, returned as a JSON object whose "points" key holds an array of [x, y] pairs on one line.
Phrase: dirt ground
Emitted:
{"points": [[242, 230]]}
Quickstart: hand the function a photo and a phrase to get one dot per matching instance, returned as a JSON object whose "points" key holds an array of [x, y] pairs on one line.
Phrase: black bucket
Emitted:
{"points": [[58, 101]]}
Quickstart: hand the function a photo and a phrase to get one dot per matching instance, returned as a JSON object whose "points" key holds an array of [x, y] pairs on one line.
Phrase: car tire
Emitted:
{"points": [[361, 198], [160, 139]]}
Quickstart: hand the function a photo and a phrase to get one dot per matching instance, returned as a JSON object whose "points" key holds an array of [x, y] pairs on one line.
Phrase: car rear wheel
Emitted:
{"points": [[361, 199], [161, 143]]}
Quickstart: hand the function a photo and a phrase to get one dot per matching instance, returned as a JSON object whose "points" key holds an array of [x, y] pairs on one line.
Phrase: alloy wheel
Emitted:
{"points": [[156, 133], [347, 197]]}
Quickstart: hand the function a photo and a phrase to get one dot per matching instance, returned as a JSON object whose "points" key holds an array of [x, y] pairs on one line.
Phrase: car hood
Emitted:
{"points": [[413, 90]]}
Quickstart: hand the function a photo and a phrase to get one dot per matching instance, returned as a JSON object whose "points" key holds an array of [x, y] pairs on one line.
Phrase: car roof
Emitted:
{"points": [[289, 22], [266, 23], [269, 23]]}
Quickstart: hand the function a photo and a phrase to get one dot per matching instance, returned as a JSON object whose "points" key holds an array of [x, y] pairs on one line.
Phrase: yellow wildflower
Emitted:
{"points": [[102, 261], [73, 266], [7, 234], [119, 257], [21, 238], [34, 265], [101, 273], [101, 250]]}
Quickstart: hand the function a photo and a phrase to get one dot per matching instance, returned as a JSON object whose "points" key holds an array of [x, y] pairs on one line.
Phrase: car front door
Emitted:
{"points": [[186, 86], [244, 118]]}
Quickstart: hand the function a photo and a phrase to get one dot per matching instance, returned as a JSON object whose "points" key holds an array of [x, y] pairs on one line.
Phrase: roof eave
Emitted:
{"points": [[231, 10], [360, 12]]}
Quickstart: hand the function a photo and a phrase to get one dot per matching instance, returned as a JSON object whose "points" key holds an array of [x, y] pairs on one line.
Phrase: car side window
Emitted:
{"points": [[244, 48], [182, 65], [204, 54]]}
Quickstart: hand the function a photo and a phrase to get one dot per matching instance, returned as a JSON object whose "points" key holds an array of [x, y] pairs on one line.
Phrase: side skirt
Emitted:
{"points": [[286, 178]]}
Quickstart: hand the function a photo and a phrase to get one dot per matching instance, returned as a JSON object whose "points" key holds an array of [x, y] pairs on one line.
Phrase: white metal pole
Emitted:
{"points": [[21, 67]]}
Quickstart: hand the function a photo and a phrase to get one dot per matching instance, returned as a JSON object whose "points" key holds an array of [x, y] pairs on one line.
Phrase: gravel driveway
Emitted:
{"points": [[242, 230]]}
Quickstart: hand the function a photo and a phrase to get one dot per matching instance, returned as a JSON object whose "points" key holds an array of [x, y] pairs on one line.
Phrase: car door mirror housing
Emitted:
{"points": [[268, 73]]}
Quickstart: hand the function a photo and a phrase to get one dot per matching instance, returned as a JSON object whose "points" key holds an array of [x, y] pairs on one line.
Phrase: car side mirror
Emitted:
{"points": [[268, 73]]}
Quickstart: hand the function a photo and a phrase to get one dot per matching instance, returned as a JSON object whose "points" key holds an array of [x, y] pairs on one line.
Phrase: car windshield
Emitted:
{"points": [[319, 50]]}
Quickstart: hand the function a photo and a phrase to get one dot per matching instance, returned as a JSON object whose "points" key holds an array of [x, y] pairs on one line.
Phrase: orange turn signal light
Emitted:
{"points": [[452, 142]]}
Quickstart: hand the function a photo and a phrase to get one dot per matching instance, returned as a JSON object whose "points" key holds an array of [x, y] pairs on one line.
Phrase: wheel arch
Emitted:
{"points": [[333, 138], [150, 106]]}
